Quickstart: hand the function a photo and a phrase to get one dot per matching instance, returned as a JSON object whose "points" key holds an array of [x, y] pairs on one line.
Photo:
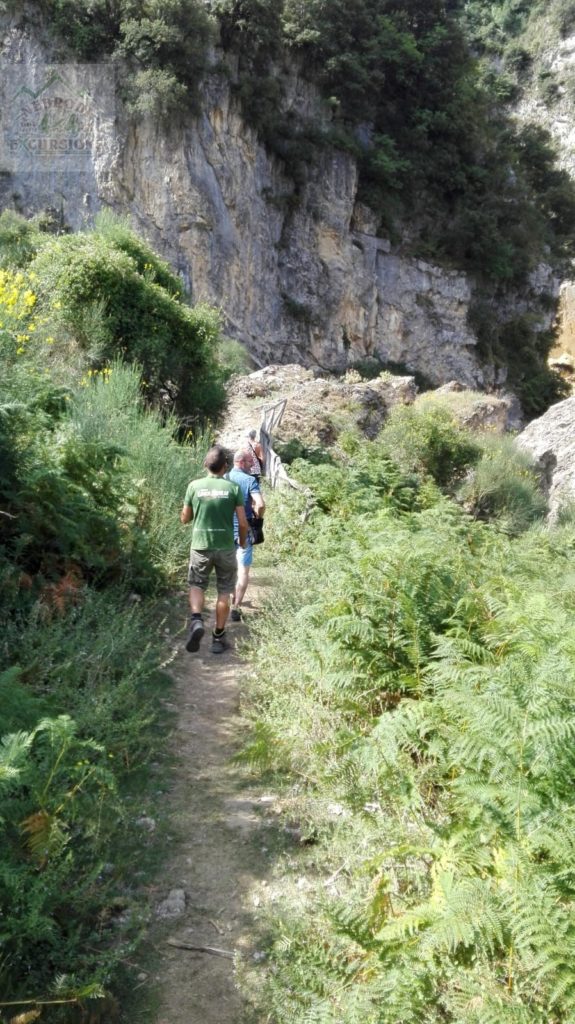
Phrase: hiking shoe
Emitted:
{"points": [[219, 644], [195, 634], [236, 615]]}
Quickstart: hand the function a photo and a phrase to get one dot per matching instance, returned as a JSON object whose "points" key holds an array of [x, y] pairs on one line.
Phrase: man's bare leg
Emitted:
{"points": [[241, 585], [222, 611], [196, 630], [197, 598]]}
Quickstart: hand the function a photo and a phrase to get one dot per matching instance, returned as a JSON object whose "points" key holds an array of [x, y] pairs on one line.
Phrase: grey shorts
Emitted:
{"points": [[202, 563]]}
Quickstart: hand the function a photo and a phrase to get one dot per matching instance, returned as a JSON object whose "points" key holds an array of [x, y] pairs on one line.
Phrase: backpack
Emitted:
{"points": [[257, 528]]}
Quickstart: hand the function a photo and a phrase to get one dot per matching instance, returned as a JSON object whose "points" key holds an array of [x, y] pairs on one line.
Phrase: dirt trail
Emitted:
{"points": [[220, 859]]}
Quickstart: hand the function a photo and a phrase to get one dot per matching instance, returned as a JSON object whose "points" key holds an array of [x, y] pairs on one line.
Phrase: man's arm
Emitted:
{"points": [[258, 504], [257, 500], [186, 515], [242, 525]]}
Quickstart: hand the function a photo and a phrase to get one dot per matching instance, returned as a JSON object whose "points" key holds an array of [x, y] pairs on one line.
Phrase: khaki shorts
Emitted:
{"points": [[202, 563]]}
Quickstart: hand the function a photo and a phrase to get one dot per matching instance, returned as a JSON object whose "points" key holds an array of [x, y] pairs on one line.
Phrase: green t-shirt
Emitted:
{"points": [[213, 501]]}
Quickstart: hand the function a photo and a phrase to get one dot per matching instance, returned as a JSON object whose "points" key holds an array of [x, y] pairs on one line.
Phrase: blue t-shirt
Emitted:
{"points": [[248, 486]]}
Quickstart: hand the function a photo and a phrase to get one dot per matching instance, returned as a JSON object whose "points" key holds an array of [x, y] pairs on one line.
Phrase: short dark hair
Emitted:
{"points": [[216, 459]]}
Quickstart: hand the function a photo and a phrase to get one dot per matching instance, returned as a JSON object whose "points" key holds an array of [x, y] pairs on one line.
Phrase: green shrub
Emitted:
{"points": [[57, 808], [114, 277], [154, 469], [119, 234], [19, 239], [563, 16], [295, 448], [523, 348], [503, 486], [156, 94], [233, 357], [431, 442], [357, 479], [86, 706], [539, 387], [164, 45]]}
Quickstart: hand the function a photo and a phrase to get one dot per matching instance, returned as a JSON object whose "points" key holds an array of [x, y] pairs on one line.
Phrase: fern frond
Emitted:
{"points": [[46, 834], [13, 751]]}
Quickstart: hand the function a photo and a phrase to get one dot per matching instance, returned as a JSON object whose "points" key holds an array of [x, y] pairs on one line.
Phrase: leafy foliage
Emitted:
{"points": [[425, 122], [429, 692], [430, 441], [83, 274], [91, 481], [503, 485], [166, 44]]}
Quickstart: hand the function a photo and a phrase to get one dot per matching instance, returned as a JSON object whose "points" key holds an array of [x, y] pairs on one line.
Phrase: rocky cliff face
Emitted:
{"points": [[302, 279], [549, 102], [552, 106]]}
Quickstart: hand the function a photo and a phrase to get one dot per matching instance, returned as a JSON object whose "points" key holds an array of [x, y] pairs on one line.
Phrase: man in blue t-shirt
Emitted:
{"points": [[254, 506]]}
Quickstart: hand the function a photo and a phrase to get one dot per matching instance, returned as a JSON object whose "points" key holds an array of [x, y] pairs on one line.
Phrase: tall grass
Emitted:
{"points": [[79, 683], [155, 467]]}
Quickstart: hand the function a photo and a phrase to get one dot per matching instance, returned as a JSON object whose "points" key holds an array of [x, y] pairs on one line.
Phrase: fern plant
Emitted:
{"points": [[431, 691]]}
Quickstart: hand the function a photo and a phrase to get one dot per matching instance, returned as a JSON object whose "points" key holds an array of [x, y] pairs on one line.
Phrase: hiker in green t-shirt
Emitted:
{"points": [[209, 505]]}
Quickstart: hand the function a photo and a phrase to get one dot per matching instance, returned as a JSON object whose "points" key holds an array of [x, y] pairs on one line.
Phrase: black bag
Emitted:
{"points": [[257, 526]]}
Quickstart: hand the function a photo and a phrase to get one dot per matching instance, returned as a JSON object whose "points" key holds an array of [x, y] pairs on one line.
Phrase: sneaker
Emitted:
{"points": [[236, 615], [195, 634], [219, 644]]}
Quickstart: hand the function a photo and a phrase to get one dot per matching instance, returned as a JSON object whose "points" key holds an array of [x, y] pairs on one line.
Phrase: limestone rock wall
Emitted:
{"points": [[554, 110], [303, 278]]}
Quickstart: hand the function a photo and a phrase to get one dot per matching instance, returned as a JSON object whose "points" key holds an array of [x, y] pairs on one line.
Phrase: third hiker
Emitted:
{"points": [[254, 507]]}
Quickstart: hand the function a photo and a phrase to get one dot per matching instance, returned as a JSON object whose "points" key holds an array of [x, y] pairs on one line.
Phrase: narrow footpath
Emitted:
{"points": [[218, 859]]}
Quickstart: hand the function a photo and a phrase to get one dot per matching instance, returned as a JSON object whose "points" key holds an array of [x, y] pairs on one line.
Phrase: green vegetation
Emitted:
{"points": [[104, 293], [418, 713], [427, 125], [165, 44], [495, 27], [417, 92], [91, 482], [425, 120]]}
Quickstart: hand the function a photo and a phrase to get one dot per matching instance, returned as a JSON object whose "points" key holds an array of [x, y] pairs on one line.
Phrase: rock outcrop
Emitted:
{"points": [[300, 274], [548, 101], [301, 277], [319, 406], [482, 413], [551, 441]]}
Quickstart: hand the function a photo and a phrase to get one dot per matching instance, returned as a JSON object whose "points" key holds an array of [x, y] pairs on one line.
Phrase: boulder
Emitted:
{"points": [[551, 441], [476, 410]]}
